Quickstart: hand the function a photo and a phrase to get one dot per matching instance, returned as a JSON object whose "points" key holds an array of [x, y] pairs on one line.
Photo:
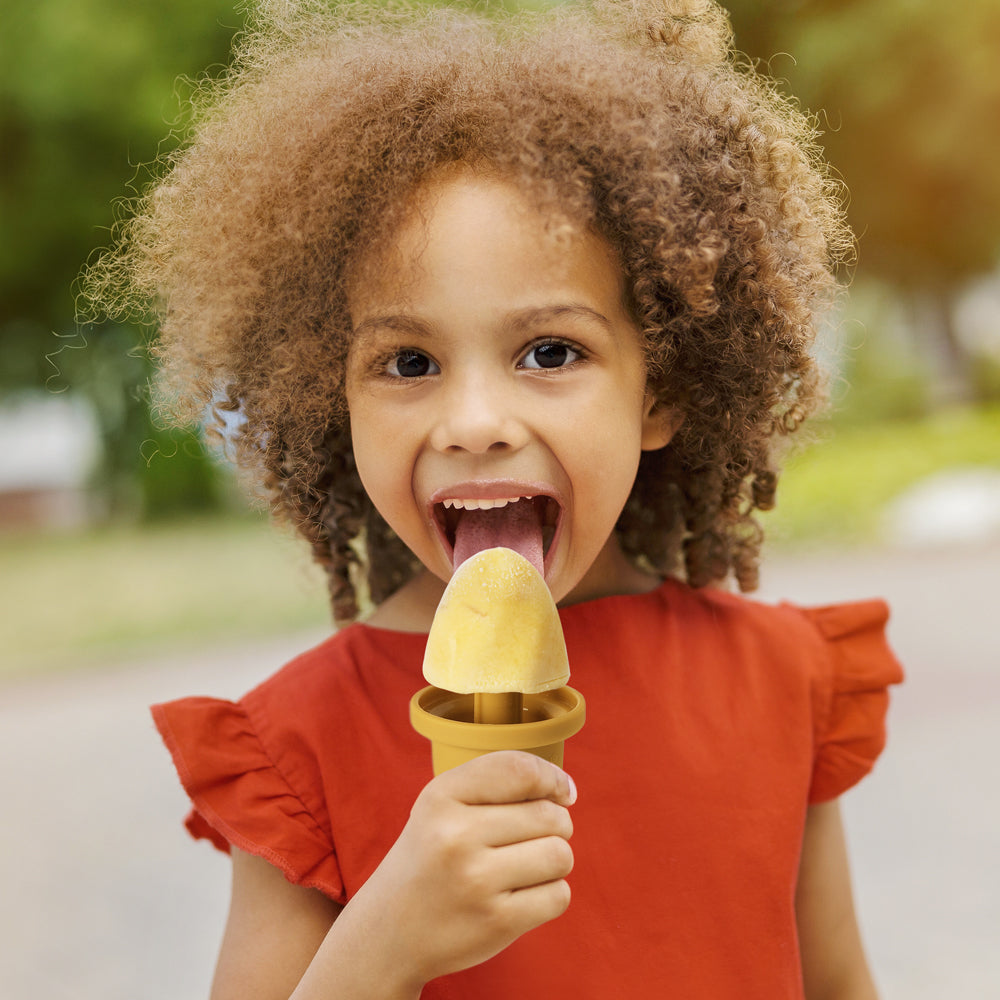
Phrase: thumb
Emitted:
{"points": [[510, 776]]}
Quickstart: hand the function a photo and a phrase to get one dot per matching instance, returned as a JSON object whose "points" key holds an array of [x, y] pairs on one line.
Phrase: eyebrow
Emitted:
{"points": [[520, 319], [529, 317], [398, 323]]}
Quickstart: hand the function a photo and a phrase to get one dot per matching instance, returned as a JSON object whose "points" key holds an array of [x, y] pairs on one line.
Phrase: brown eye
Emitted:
{"points": [[412, 364], [550, 355]]}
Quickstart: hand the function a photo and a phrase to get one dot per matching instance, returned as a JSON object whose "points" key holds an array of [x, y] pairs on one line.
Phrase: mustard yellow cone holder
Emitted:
{"points": [[445, 718]]}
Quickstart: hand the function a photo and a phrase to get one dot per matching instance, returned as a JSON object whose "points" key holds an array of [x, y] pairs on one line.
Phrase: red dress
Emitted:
{"points": [[712, 723]]}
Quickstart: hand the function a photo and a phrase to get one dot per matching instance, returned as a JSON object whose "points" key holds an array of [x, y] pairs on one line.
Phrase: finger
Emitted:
{"points": [[533, 862], [509, 776], [537, 904], [512, 823]]}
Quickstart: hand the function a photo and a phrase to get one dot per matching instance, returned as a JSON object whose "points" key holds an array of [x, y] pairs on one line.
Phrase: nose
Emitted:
{"points": [[479, 414]]}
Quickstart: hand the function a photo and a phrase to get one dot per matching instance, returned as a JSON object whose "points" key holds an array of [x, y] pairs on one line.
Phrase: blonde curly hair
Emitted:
{"points": [[632, 117]]}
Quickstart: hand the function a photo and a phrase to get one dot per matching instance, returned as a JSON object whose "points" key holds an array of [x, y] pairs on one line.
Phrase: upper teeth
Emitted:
{"points": [[483, 504]]}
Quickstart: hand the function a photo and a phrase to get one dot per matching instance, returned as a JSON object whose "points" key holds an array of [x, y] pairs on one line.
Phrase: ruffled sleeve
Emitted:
{"points": [[854, 697], [240, 797]]}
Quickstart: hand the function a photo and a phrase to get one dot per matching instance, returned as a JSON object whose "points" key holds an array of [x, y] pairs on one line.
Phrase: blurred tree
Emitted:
{"points": [[89, 89], [910, 93]]}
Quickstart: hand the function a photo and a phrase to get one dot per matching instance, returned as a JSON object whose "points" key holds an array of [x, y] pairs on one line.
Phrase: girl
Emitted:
{"points": [[550, 282]]}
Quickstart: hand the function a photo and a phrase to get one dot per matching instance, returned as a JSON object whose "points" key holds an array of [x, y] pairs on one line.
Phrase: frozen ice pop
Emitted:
{"points": [[496, 634]]}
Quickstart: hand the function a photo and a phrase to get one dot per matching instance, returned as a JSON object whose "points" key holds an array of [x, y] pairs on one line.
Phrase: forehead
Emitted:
{"points": [[470, 227]]}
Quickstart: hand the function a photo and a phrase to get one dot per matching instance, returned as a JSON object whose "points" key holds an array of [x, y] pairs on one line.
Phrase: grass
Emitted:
{"points": [[79, 598], [73, 600], [836, 490]]}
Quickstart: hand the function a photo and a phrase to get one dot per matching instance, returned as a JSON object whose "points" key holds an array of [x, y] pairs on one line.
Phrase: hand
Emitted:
{"points": [[482, 859]]}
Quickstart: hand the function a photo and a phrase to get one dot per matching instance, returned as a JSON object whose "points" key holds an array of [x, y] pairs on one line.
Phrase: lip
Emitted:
{"points": [[495, 489]]}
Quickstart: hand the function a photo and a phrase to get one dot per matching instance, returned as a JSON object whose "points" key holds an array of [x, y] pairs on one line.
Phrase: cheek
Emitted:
{"points": [[612, 446], [384, 467], [618, 417], [605, 458], [366, 454]]}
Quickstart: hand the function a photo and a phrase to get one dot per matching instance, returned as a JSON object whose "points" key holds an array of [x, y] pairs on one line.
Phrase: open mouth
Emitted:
{"points": [[526, 524]]}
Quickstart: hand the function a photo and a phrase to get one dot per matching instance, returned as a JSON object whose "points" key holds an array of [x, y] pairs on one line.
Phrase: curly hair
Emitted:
{"points": [[634, 118]]}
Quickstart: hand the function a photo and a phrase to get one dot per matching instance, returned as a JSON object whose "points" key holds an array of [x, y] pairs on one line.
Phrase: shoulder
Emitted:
{"points": [[262, 772], [350, 691], [706, 632], [710, 617], [825, 646], [350, 663], [837, 656], [314, 710], [857, 626]]}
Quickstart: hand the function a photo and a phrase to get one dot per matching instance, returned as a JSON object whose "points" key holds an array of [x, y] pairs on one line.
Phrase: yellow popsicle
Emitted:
{"points": [[496, 631]]}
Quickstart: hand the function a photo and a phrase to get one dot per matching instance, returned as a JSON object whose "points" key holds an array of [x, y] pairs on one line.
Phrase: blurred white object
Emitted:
{"points": [[49, 446], [959, 505]]}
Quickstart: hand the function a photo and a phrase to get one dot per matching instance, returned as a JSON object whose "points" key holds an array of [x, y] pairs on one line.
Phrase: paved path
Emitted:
{"points": [[102, 896], [924, 828]]}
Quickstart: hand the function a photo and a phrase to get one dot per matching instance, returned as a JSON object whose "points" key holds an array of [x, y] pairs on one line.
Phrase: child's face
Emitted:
{"points": [[491, 362]]}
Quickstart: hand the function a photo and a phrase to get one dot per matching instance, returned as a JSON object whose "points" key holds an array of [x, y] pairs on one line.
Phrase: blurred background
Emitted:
{"points": [[133, 569]]}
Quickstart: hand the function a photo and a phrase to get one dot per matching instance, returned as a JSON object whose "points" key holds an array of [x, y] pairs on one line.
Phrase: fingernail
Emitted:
{"points": [[572, 789]]}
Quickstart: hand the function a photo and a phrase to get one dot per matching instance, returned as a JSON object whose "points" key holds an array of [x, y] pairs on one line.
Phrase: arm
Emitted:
{"points": [[833, 959], [482, 859], [273, 930]]}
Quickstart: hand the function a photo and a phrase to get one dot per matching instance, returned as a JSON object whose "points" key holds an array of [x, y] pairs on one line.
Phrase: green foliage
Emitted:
{"points": [[987, 378], [146, 469], [880, 374], [89, 90], [910, 97], [835, 490]]}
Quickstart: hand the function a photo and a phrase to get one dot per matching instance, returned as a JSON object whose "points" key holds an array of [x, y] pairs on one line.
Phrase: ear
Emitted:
{"points": [[659, 424]]}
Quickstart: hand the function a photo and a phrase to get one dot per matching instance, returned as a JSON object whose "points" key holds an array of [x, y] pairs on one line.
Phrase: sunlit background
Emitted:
{"points": [[133, 569]]}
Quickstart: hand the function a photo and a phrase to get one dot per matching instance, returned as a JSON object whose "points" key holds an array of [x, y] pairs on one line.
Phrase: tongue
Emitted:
{"points": [[517, 526]]}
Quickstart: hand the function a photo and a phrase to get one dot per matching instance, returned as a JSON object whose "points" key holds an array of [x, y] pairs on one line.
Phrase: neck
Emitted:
{"points": [[610, 575], [412, 607]]}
